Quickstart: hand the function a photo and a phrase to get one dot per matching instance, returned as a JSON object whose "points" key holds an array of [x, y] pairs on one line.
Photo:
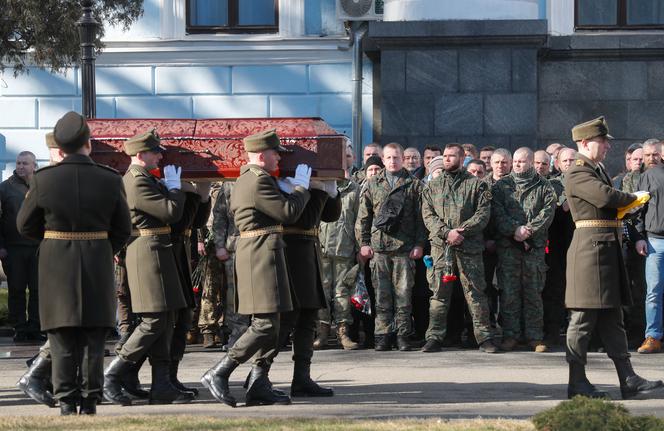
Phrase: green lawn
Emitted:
{"points": [[150, 423]]}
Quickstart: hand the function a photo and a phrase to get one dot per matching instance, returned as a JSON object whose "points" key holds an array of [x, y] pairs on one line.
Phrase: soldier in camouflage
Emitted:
{"points": [[392, 248], [372, 149], [338, 247], [225, 238], [456, 207], [522, 211], [210, 316]]}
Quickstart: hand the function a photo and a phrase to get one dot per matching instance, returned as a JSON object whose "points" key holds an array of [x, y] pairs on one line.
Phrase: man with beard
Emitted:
{"points": [[522, 211], [456, 208]]}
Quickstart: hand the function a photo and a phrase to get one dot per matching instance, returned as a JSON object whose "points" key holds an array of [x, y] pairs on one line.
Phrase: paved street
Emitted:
{"points": [[451, 384]]}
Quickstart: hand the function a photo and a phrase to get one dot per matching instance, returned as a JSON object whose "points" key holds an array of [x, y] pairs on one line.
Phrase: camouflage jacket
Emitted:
{"points": [[457, 201], [223, 227], [630, 182], [374, 193], [338, 238], [531, 204], [490, 230], [558, 184]]}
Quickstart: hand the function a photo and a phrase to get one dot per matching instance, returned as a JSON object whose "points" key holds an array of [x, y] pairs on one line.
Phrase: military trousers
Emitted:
{"points": [[302, 324], [471, 274], [521, 276], [183, 323], [393, 278], [334, 271], [608, 322], [211, 309], [490, 261], [21, 270], [260, 341], [45, 350], [553, 295], [635, 314], [77, 368], [126, 319], [152, 337], [234, 322]]}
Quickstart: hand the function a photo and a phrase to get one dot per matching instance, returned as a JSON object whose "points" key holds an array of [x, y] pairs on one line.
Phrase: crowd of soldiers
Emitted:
{"points": [[457, 239]]}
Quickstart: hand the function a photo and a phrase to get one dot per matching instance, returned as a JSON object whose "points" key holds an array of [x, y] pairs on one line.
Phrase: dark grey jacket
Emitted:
{"points": [[651, 218]]}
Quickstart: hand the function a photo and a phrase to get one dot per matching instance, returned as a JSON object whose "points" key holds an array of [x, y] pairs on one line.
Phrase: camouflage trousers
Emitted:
{"points": [[393, 278], [471, 275], [210, 316], [521, 275], [334, 271]]}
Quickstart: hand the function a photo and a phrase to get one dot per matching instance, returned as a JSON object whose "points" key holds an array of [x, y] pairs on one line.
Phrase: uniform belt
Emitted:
{"points": [[305, 232], [75, 236], [166, 230], [260, 232], [598, 223]]}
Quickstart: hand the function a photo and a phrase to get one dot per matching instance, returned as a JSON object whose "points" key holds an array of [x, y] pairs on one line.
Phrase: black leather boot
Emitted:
{"points": [[259, 391], [216, 380], [131, 384], [432, 346], [36, 380], [162, 390], [173, 373], [580, 385], [267, 376], [383, 343], [114, 375], [68, 406], [633, 386], [88, 406], [404, 344], [303, 386]]}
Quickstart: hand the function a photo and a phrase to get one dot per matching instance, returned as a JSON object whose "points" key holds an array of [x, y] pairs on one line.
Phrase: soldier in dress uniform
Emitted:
{"points": [[597, 284], [263, 286], [154, 282], [81, 230]]}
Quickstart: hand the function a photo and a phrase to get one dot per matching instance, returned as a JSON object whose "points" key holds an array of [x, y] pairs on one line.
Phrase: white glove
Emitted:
{"points": [[286, 185], [172, 177], [302, 176], [331, 188]]}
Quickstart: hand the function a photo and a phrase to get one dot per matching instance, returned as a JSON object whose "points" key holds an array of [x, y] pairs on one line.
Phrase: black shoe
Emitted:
{"points": [[216, 380], [173, 372], [67, 407], [277, 391], [432, 346], [636, 387], [114, 376], [404, 344], [88, 406], [383, 343], [132, 385], [579, 384], [259, 392], [303, 386], [162, 390], [488, 346], [36, 380]]}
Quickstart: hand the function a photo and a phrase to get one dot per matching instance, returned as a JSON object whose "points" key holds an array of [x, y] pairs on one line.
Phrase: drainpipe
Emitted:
{"points": [[358, 31]]}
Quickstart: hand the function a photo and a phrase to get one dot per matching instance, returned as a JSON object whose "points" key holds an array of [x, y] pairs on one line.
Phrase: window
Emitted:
{"points": [[232, 16], [618, 14]]}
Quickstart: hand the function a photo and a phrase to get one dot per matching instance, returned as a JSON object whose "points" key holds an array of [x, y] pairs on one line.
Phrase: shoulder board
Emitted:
{"points": [[45, 168], [108, 168], [256, 171], [579, 162], [135, 172]]}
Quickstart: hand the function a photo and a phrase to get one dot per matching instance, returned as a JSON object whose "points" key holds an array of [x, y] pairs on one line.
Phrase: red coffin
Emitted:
{"points": [[212, 148]]}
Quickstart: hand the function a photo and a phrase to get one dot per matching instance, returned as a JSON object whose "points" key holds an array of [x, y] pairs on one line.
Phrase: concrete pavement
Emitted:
{"points": [[368, 384]]}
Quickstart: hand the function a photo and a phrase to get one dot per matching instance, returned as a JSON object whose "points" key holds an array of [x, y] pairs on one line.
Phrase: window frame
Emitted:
{"points": [[233, 27], [622, 20]]}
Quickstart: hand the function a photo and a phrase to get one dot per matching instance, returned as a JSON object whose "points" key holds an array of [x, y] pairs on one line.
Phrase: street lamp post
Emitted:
{"points": [[87, 27]]}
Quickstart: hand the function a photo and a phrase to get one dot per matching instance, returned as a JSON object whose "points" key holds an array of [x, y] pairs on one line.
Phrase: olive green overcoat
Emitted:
{"points": [[152, 273], [76, 277], [596, 276], [263, 285]]}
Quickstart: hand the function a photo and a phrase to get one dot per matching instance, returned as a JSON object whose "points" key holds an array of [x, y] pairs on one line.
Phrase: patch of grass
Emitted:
{"points": [[4, 309], [162, 422], [582, 413]]}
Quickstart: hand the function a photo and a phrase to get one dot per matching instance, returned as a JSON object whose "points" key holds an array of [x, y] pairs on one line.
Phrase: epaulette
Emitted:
{"points": [[256, 171], [135, 172], [45, 168], [580, 162], [115, 171]]}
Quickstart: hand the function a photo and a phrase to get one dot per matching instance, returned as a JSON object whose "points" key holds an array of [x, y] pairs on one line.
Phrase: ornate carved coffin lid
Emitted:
{"points": [[212, 148]]}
